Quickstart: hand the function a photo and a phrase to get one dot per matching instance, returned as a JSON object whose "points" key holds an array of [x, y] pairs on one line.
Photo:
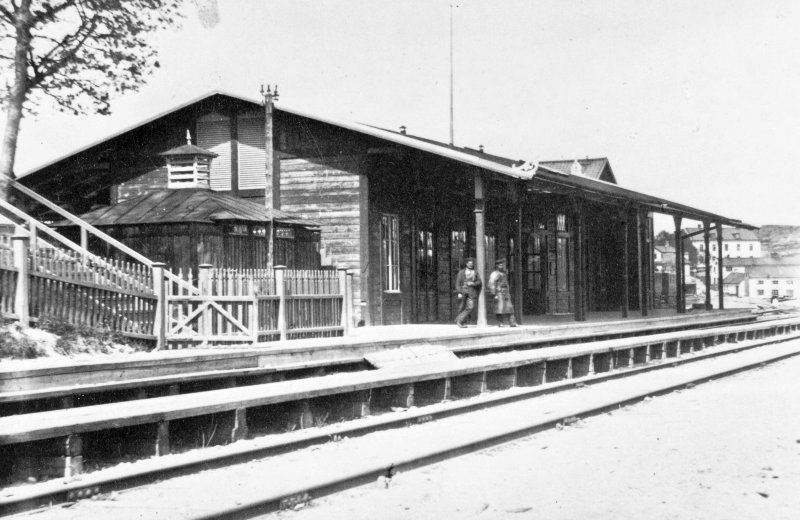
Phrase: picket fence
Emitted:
{"points": [[202, 308]]}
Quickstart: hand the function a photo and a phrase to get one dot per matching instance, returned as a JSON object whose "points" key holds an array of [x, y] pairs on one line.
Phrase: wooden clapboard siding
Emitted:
{"points": [[326, 190]]}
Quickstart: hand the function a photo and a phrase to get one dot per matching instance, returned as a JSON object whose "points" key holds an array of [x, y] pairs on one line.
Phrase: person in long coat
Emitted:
{"points": [[501, 291], [468, 286]]}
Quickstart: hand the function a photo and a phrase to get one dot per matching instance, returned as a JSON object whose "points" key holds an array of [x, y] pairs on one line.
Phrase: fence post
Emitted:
{"points": [[280, 286], [204, 280], [160, 321], [345, 321], [20, 242], [253, 308]]}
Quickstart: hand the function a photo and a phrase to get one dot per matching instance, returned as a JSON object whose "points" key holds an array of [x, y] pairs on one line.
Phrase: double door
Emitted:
{"points": [[547, 265]]}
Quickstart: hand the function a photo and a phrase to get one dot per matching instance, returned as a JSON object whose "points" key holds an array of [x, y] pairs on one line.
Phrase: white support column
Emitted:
{"points": [[20, 242], [280, 286], [160, 321]]}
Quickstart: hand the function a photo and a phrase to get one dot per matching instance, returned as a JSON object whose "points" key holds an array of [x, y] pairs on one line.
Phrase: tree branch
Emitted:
{"points": [[8, 15], [51, 12]]}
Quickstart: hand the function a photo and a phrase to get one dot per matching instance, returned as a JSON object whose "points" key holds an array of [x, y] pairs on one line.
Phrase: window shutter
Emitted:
{"points": [[214, 134], [252, 166]]}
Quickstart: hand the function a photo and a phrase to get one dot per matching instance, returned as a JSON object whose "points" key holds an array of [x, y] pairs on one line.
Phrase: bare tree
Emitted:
{"points": [[77, 52]]}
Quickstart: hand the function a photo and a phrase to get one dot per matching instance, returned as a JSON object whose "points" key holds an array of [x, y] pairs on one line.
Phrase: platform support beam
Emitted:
{"points": [[680, 304], [720, 288], [707, 259], [480, 246], [518, 282], [641, 258], [580, 264], [625, 264]]}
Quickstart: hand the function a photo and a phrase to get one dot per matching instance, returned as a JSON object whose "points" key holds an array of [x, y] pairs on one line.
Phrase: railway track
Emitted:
{"points": [[633, 384]]}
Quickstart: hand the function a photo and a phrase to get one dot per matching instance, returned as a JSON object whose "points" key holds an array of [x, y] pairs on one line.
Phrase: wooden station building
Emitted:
{"points": [[401, 211]]}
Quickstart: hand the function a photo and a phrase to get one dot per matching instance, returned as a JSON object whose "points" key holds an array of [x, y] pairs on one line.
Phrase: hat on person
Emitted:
{"points": [[501, 261], [469, 260]]}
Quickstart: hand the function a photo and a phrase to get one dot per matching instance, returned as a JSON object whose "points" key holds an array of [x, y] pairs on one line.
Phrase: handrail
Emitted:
{"points": [[81, 223], [89, 229], [32, 222]]}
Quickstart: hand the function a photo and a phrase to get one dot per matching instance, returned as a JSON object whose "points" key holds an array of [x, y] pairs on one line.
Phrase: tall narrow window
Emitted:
{"points": [[561, 222], [390, 252]]}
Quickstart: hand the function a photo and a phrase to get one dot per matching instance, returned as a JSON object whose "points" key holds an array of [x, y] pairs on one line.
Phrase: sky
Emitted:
{"points": [[695, 102]]}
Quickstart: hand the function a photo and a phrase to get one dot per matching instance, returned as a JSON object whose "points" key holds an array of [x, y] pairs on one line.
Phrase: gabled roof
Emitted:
{"points": [[764, 261], [592, 168], [187, 205], [665, 249], [188, 149], [734, 279], [547, 179], [775, 271]]}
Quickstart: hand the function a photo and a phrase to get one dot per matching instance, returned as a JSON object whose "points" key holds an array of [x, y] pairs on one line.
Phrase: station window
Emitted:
{"points": [[561, 222], [726, 247], [390, 252], [789, 282], [790, 293], [775, 292], [738, 247], [761, 292], [751, 247], [713, 247], [702, 247], [774, 282], [760, 282]]}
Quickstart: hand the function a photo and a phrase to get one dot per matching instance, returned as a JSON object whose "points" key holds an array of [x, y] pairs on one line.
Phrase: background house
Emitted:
{"points": [[664, 258], [736, 243], [763, 278]]}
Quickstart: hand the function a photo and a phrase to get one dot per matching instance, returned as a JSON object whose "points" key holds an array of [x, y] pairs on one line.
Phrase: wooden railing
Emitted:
{"points": [[45, 274]]}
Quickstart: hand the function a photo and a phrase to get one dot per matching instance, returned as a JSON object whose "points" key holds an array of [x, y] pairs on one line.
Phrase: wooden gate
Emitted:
{"points": [[215, 307]]}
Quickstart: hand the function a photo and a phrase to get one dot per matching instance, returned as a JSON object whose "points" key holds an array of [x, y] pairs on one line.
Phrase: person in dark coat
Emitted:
{"points": [[501, 291], [468, 286]]}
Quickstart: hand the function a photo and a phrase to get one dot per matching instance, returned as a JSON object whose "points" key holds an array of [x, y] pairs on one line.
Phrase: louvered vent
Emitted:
{"points": [[214, 134], [252, 167]]}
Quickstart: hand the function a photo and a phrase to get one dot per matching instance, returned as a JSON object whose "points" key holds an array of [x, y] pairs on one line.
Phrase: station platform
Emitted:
{"points": [[326, 354]]}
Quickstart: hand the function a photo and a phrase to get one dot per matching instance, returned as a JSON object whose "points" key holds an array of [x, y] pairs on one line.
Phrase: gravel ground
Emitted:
{"points": [[722, 450]]}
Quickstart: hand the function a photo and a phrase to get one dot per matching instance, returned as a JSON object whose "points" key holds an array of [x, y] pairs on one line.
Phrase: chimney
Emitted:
{"points": [[576, 168], [403, 130], [480, 148]]}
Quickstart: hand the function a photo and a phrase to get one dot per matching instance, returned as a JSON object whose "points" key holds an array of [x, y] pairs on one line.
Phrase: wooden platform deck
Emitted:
{"points": [[318, 353]]}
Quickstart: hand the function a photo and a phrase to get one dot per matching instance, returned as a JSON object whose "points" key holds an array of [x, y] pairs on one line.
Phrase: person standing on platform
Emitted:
{"points": [[468, 286], [498, 286]]}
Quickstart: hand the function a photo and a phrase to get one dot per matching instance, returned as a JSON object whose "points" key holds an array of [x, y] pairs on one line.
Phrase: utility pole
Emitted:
{"points": [[269, 104], [451, 74]]}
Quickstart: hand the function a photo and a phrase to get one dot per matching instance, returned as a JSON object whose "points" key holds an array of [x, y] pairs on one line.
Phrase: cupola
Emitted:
{"points": [[188, 166]]}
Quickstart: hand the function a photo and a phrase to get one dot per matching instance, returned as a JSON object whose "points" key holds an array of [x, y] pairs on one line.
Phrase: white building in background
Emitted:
{"points": [[765, 280], [736, 243]]}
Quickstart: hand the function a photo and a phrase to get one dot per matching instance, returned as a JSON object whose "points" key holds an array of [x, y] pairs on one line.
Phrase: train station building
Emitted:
{"points": [[401, 211]]}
